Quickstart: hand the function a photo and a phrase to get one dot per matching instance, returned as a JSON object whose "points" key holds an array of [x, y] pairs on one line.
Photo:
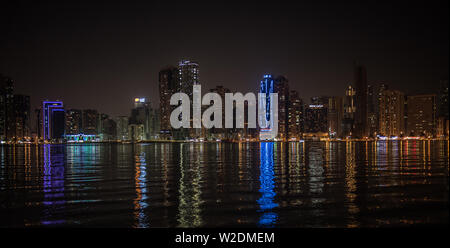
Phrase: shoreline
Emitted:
{"points": [[216, 142]]}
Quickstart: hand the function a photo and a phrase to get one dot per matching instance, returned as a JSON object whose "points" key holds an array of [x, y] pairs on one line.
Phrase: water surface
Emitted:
{"points": [[311, 184]]}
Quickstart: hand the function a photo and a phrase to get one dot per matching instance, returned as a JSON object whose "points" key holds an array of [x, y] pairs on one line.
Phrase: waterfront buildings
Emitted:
{"points": [[6, 108], [372, 112], [168, 85], [142, 113], [421, 115], [267, 87], [360, 115], [74, 121], [21, 117], [349, 112], [316, 123], [122, 128], [335, 116], [295, 116], [91, 121], [281, 87], [392, 113], [53, 120]]}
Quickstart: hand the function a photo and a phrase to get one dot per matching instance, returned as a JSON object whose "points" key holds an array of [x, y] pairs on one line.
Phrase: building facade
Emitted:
{"points": [[91, 122], [74, 121], [122, 128], [21, 117], [421, 113], [392, 113], [53, 120], [168, 85], [360, 120], [295, 116], [335, 116], [6, 108], [281, 86], [267, 87]]}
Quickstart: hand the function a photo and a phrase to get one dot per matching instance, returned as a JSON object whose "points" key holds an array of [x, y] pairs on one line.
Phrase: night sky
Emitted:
{"points": [[103, 55]]}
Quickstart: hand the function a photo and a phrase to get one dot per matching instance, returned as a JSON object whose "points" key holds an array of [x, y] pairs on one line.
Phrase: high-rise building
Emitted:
{"points": [[267, 87], [335, 116], [360, 82], [221, 133], [281, 87], [442, 110], [142, 113], [372, 113], [189, 75], [391, 113], [421, 113], [108, 128], [295, 116], [21, 117], [74, 122], [136, 132], [349, 112], [122, 128], [316, 119], [53, 120], [6, 108], [443, 99], [155, 124], [90, 122], [169, 84]]}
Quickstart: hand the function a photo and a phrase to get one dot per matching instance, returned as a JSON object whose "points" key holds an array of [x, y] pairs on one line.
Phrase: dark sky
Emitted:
{"points": [[102, 55]]}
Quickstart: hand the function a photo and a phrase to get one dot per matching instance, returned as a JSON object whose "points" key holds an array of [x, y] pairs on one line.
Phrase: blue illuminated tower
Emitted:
{"points": [[53, 117], [267, 87]]}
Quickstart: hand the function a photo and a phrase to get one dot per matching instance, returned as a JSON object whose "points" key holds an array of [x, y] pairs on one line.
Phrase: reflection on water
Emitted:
{"points": [[266, 202], [53, 177], [140, 203], [268, 184], [189, 211]]}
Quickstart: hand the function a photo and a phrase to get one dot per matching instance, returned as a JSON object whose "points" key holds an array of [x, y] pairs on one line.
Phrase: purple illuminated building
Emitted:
{"points": [[53, 117]]}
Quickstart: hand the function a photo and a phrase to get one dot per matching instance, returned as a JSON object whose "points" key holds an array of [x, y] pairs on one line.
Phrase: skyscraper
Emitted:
{"points": [[189, 76], [442, 110], [91, 122], [267, 87], [108, 128], [281, 87], [360, 81], [168, 85], [316, 119], [6, 108], [349, 112], [443, 99], [421, 112], [122, 128], [142, 113], [74, 122], [21, 117], [221, 133], [391, 116], [372, 113], [295, 116], [335, 116], [53, 120]]}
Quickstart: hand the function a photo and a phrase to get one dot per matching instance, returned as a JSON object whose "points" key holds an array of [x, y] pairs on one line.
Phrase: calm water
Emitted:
{"points": [[312, 184]]}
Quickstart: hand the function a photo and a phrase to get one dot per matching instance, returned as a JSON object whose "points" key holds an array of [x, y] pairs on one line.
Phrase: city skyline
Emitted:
{"points": [[378, 112], [83, 62], [265, 116], [155, 102]]}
